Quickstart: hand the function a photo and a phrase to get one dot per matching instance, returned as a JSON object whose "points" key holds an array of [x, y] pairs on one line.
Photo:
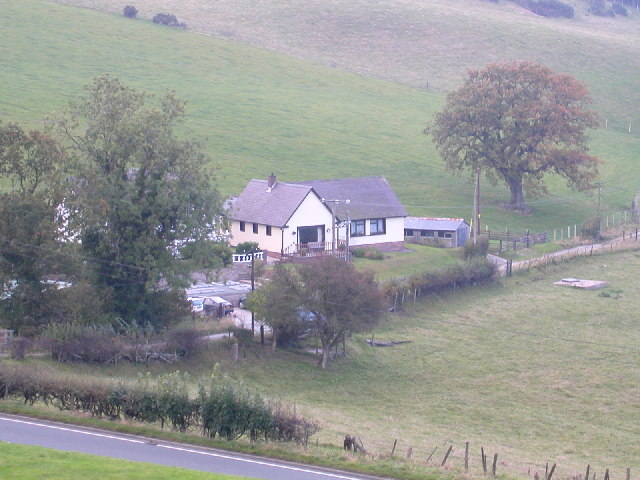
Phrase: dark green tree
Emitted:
{"points": [[31, 166], [518, 122], [138, 190]]}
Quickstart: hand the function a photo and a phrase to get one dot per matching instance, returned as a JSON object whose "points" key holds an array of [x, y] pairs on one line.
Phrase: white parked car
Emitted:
{"points": [[197, 304]]}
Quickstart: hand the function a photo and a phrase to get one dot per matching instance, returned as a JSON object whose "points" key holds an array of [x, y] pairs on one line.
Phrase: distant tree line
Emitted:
{"points": [[557, 8]]}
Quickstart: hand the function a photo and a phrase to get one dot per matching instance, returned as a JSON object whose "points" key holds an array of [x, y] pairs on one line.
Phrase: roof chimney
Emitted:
{"points": [[271, 181]]}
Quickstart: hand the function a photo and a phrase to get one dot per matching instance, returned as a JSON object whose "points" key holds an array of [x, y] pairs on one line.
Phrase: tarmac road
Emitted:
{"points": [[24, 430]]}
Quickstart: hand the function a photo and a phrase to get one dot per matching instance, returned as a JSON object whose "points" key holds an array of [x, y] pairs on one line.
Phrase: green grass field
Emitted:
{"points": [[261, 112], [34, 463], [535, 372]]}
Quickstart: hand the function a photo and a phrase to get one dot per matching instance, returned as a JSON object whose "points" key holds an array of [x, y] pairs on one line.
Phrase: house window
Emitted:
{"points": [[377, 226], [269, 230], [242, 226], [408, 232], [357, 228], [427, 233], [255, 228]]}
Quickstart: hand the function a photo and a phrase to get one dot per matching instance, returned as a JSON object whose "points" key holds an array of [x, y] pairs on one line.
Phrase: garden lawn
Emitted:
{"points": [[414, 259]]}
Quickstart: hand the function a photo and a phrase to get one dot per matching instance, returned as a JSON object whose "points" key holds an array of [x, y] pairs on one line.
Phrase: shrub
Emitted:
{"points": [[130, 11], [169, 20], [87, 343], [247, 247], [18, 347], [368, 252], [478, 249], [619, 9], [184, 341], [591, 229], [551, 8]]}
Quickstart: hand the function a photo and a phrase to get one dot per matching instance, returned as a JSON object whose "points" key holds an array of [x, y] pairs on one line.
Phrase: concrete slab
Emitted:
{"points": [[584, 284]]}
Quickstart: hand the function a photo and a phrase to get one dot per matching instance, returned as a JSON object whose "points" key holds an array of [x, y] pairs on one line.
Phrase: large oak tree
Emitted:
{"points": [[518, 121]]}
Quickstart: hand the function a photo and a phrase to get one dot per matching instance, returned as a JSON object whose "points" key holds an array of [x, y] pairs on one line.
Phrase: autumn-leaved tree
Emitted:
{"points": [[138, 191], [329, 298], [518, 122]]}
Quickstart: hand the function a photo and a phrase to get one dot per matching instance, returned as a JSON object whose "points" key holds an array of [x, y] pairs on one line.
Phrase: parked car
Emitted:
{"points": [[197, 304], [217, 306]]}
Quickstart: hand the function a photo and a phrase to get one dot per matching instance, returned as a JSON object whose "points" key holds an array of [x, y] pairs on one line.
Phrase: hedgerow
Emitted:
{"points": [[474, 271], [222, 408]]}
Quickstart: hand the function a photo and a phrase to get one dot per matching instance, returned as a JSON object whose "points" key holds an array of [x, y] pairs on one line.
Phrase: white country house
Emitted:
{"points": [[318, 217]]}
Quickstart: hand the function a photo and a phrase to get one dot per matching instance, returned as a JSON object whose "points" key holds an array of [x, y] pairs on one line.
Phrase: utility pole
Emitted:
{"points": [[599, 212], [334, 234], [253, 287], [476, 208]]}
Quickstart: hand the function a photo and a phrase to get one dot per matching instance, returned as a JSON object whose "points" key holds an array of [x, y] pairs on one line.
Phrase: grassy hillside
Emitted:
{"points": [[425, 42], [263, 112]]}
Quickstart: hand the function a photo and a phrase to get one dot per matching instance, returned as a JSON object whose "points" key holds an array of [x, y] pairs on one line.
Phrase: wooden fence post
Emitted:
{"points": [[586, 475], [484, 459], [495, 463], [551, 472], [395, 442], [466, 457], [628, 474], [606, 474], [429, 457], [444, 460]]}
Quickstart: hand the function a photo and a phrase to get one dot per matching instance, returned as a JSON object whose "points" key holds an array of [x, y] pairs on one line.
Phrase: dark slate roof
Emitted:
{"points": [[426, 223], [369, 197], [259, 204]]}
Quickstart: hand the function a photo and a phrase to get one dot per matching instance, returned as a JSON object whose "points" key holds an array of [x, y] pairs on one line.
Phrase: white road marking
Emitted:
{"points": [[73, 430], [258, 462], [188, 450]]}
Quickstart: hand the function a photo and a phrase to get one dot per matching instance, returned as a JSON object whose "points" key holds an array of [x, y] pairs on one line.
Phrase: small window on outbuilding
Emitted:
{"points": [[268, 229], [242, 226], [255, 228]]}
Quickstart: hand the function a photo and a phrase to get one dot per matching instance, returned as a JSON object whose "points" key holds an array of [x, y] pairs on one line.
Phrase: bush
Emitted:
{"points": [[478, 249], [87, 343], [591, 229], [18, 347], [368, 252], [130, 11], [247, 247], [168, 20], [184, 341], [618, 9], [551, 8]]}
